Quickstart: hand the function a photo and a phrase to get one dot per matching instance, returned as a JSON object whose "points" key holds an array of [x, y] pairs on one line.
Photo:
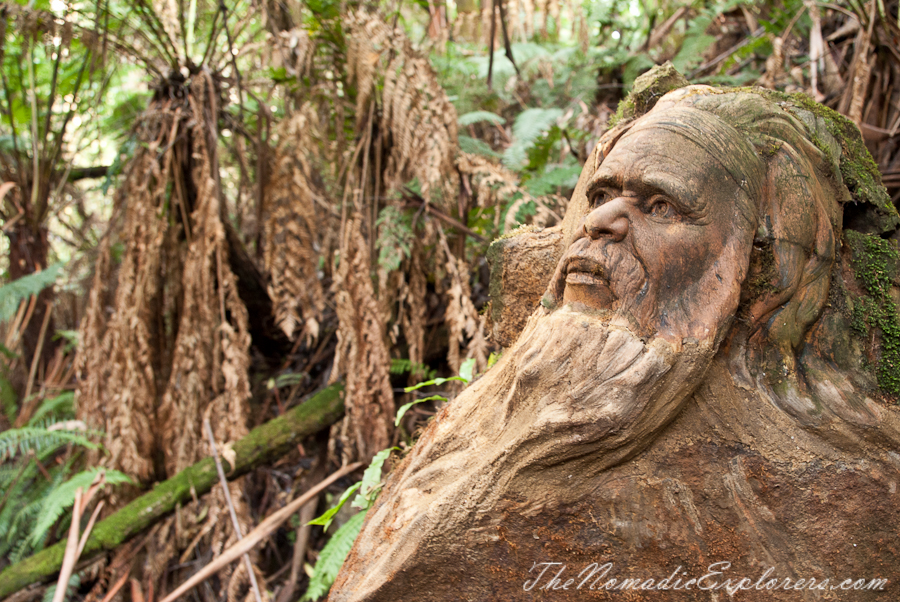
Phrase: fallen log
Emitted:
{"points": [[261, 445]]}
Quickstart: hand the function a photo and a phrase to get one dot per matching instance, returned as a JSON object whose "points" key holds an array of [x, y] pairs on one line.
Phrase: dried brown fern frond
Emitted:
{"points": [[362, 356], [418, 120], [461, 316], [412, 304], [210, 363], [492, 184], [291, 224], [117, 362]]}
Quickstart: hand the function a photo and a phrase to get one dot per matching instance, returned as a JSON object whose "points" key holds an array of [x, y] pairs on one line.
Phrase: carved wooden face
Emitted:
{"points": [[666, 241]]}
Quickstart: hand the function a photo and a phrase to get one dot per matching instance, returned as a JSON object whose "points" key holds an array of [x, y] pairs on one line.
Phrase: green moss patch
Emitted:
{"points": [[648, 88], [875, 262]]}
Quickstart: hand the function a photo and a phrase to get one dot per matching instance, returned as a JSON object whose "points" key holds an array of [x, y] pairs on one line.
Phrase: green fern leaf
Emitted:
{"points": [[60, 406], [15, 292], [554, 177], [57, 501], [479, 116], [474, 146], [39, 439], [332, 557], [530, 124]]}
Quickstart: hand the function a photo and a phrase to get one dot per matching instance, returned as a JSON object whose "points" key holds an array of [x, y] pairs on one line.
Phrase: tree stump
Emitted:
{"points": [[697, 400]]}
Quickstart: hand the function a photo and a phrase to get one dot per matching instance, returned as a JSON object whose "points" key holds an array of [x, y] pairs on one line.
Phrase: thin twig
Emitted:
{"points": [[506, 45], [71, 554], [234, 519], [416, 200], [490, 74], [89, 528], [256, 535], [37, 352]]}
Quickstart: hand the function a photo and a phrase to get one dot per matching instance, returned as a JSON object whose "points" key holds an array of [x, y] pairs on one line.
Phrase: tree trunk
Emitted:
{"points": [[28, 250]]}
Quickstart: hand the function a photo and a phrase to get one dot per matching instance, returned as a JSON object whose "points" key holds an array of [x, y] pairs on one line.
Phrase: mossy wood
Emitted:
{"points": [[701, 368], [263, 444]]}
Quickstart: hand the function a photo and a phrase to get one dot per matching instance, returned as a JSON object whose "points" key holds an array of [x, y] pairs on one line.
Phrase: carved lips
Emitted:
{"points": [[586, 282]]}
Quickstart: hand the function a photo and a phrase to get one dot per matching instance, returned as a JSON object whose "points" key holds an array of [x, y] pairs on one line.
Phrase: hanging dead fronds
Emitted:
{"points": [[119, 356], [362, 354], [418, 120], [291, 259], [211, 358], [492, 184], [461, 317], [175, 347]]}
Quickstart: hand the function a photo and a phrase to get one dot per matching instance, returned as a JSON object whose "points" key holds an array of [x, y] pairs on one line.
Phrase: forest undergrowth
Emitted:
{"points": [[211, 211]]}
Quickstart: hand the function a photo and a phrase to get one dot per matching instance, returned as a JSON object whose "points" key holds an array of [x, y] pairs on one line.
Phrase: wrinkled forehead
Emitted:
{"points": [[722, 143]]}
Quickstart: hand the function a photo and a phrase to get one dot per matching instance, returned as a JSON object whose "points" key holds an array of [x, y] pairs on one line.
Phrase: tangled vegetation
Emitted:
{"points": [[213, 210]]}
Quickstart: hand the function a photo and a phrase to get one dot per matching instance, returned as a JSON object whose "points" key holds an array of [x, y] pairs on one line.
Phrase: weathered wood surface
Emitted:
{"points": [[708, 380]]}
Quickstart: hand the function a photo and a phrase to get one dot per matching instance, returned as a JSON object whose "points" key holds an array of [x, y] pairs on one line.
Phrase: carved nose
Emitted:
{"points": [[609, 219]]}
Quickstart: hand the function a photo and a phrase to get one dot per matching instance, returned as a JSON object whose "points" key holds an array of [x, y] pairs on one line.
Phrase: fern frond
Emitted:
{"points": [[553, 177], [61, 405], [405, 366], [530, 124], [332, 557], [15, 292], [62, 497], [475, 146], [39, 439], [479, 116]]}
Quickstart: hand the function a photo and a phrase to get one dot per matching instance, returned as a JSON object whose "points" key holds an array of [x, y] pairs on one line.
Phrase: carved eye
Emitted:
{"points": [[662, 209], [600, 197]]}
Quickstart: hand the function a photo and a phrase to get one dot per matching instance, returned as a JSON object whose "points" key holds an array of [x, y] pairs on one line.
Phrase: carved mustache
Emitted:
{"points": [[585, 265], [612, 264]]}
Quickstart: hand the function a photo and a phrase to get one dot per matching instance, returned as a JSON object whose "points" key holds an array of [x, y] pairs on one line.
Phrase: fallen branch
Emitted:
{"points": [[234, 520], [261, 445], [263, 530]]}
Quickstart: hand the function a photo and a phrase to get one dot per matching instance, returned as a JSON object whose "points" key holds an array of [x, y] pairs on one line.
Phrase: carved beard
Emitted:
{"points": [[573, 397]]}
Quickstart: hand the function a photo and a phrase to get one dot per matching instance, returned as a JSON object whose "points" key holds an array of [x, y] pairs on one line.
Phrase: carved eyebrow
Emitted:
{"points": [[599, 182], [648, 185], [652, 184]]}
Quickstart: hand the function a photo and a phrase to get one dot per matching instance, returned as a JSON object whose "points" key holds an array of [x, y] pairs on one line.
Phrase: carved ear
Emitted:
{"points": [[796, 229]]}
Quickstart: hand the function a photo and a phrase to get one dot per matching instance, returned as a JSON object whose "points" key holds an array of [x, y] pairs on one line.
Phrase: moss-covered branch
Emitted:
{"points": [[261, 445]]}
